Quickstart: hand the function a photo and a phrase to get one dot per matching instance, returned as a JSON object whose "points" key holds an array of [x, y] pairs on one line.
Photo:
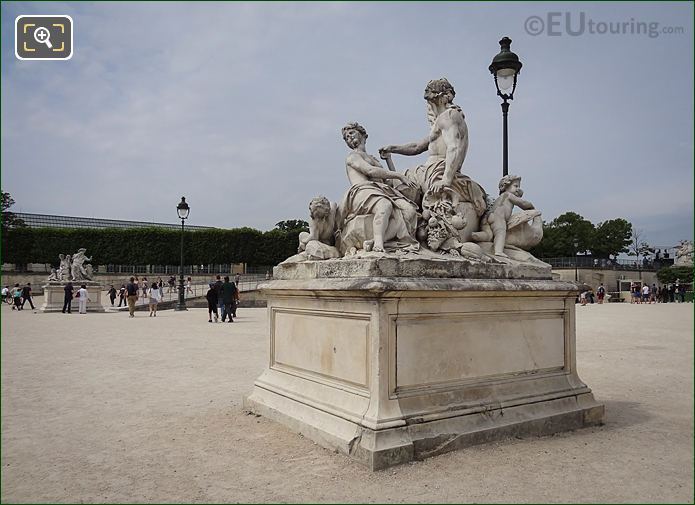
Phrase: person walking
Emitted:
{"points": [[17, 297], [132, 291], [681, 292], [218, 285], [236, 299], [237, 280], [671, 293], [26, 296], [172, 283], [228, 299], [112, 294], [121, 296], [212, 297], [600, 293], [83, 295], [144, 287], [155, 298], [645, 293], [67, 300], [189, 284]]}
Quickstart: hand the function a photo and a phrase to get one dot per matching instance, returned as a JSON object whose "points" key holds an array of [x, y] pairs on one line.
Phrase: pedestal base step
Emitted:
{"points": [[379, 449]]}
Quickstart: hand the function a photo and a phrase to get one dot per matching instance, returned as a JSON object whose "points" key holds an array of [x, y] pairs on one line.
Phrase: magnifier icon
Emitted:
{"points": [[43, 36]]}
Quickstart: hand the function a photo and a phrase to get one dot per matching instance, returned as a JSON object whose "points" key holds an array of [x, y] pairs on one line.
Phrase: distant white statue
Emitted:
{"points": [[684, 254], [80, 270], [53, 275], [65, 267]]}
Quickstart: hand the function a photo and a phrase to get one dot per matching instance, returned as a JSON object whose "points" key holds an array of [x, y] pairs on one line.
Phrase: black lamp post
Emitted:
{"points": [[576, 251], [505, 67], [182, 209]]}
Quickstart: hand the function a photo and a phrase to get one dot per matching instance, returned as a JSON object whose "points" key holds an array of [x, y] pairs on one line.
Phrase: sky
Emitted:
{"points": [[239, 106]]}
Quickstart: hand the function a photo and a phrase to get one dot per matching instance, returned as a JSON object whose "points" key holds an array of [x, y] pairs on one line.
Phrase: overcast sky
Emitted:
{"points": [[239, 106]]}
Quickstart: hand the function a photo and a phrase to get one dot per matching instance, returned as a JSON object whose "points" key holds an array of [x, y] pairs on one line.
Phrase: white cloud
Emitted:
{"points": [[239, 107]]}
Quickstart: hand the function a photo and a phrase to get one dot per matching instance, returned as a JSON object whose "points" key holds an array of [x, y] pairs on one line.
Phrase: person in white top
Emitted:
{"points": [[155, 298], [84, 298], [645, 293]]}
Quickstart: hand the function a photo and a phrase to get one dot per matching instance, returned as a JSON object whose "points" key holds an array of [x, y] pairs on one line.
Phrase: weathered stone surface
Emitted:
{"points": [[380, 265], [316, 250], [54, 294], [356, 232], [390, 369]]}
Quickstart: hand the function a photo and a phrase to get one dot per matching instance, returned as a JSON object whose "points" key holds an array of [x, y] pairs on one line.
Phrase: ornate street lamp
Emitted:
{"points": [[505, 68], [182, 209]]}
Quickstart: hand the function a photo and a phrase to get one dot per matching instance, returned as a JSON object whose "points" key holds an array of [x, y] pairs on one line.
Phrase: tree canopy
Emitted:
{"points": [[570, 233], [292, 225], [669, 275], [9, 219]]}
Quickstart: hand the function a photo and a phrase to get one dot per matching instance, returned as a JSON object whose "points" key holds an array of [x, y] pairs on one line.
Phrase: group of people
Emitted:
{"points": [[670, 293], [640, 293], [82, 296], [19, 295], [222, 295], [129, 293]]}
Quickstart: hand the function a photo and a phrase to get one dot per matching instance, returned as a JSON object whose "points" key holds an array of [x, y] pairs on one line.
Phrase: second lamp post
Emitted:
{"points": [[182, 209], [505, 67]]}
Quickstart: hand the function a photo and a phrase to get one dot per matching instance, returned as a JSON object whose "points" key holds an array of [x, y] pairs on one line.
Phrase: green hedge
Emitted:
{"points": [[149, 246], [669, 275]]}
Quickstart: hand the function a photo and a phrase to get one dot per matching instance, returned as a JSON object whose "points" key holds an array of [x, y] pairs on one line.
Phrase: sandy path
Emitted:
{"points": [[102, 408]]}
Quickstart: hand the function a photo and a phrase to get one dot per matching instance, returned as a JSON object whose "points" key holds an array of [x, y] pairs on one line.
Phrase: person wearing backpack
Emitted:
{"points": [[212, 297], [17, 296], [228, 299]]}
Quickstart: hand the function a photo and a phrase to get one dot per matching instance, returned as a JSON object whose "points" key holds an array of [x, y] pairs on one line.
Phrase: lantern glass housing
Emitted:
{"points": [[183, 209]]}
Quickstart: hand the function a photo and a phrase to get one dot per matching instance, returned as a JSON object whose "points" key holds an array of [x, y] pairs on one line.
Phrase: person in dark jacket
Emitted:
{"points": [[26, 296], [212, 297], [218, 286], [67, 301], [228, 299], [112, 294], [121, 296]]}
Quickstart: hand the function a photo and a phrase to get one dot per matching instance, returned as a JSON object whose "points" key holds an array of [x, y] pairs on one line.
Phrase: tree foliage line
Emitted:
{"points": [[150, 246], [570, 233]]}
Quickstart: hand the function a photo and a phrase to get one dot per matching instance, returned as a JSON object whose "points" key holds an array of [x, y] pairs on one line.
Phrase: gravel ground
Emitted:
{"points": [[103, 408]]}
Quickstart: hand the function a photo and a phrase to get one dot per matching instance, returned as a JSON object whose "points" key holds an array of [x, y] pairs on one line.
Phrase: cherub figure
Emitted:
{"points": [[322, 221], [495, 223], [53, 275]]}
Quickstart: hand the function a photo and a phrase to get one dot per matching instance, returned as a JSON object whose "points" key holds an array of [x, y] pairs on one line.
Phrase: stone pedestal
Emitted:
{"points": [[54, 294], [391, 369]]}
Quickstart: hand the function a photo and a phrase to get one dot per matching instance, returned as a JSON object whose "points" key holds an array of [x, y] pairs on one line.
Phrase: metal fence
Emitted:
{"points": [[211, 269], [606, 264]]}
